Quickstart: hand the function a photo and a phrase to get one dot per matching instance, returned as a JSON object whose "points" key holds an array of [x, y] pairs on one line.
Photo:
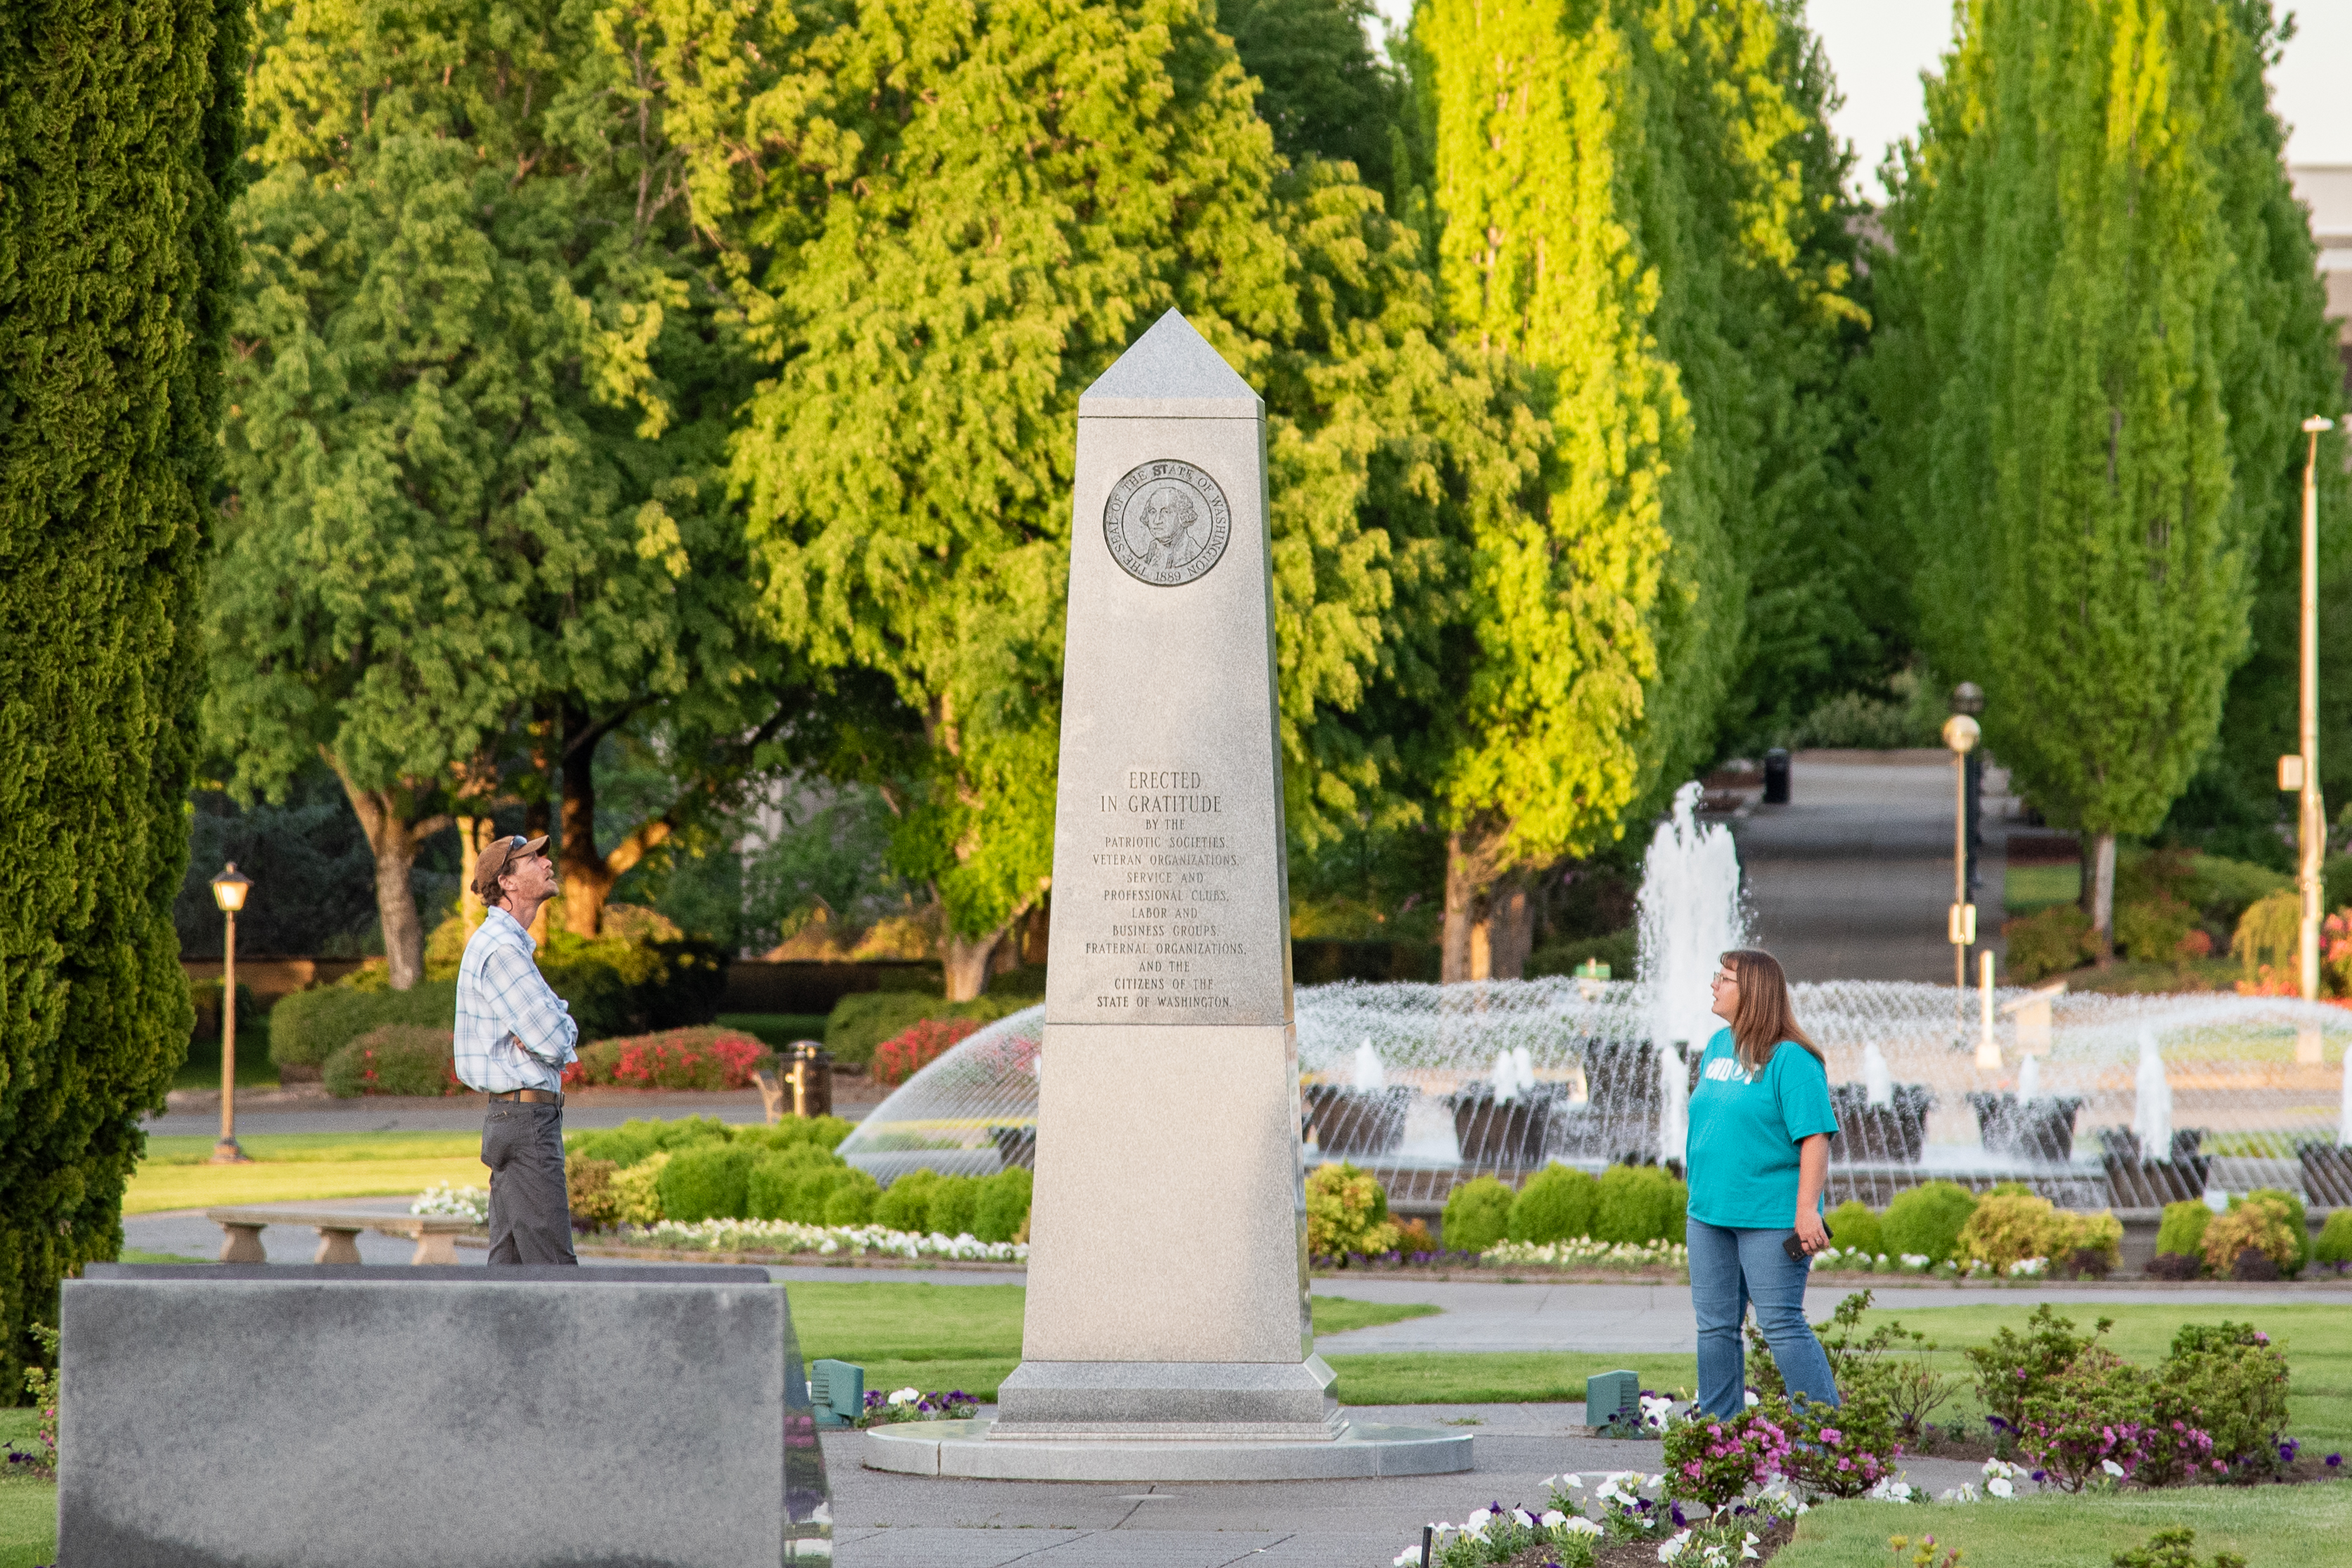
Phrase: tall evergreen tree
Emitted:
{"points": [[118, 142], [2072, 294], [1322, 87], [486, 378], [1638, 200]]}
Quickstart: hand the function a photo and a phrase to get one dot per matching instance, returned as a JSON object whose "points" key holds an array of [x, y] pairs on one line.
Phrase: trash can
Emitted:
{"points": [[1776, 777], [812, 1079]]}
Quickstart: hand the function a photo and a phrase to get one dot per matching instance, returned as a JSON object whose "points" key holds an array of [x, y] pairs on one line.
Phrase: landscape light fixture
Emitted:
{"points": [[229, 889], [1968, 698], [2300, 773], [1960, 733]]}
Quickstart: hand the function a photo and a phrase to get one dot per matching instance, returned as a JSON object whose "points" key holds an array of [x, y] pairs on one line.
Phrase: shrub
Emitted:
{"points": [[636, 1140], [1347, 1212], [1886, 1375], [2298, 1224], [1639, 1204], [2173, 1548], [2176, 1266], [1838, 1450], [2255, 1223], [2182, 1229], [852, 1201], [712, 1059], [2229, 1380], [859, 1023], [2334, 1244], [1555, 1204], [1003, 1212], [904, 1055], [308, 1027], [905, 1203], [2012, 1368], [2269, 933], [815, 1131], [1928, 1219], [1618, 950], [2156, 930], [791, 1184], [1853, 1227], [395, 1058], [1477, 1215], [637, 1191], [2008, 1227], [1713, 1462], [2050, 941], [588, 1184], [2086, 1416], [952, 1206], [709, 1181]]}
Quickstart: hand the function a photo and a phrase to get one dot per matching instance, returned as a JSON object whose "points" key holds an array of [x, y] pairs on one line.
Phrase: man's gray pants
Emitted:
{"points": [[531, 1215]]}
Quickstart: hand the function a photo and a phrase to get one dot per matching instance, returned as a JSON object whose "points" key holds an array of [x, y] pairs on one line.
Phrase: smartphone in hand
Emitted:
{"points": [[1795, 1244]]}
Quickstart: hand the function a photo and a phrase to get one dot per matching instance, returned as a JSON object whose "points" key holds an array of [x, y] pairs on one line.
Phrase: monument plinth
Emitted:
{"points": [[1167, 1334]]}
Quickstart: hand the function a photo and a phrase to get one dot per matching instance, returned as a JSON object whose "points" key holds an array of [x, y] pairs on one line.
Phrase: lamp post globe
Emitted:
{"points": [[1960, 733], [1968, 698], [229, 890]]}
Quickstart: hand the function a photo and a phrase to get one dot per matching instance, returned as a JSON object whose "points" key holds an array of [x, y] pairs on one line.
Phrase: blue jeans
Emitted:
{"points": [[1729, 1270]]}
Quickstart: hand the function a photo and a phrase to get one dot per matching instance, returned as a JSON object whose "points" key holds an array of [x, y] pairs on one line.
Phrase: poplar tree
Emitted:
{"points": [[2071, 297], [118, 138], [1639, 201], [485, 376]]}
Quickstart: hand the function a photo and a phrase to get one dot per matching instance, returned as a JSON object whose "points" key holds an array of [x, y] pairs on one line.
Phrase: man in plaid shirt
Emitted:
{"points": [[515, 1035]]}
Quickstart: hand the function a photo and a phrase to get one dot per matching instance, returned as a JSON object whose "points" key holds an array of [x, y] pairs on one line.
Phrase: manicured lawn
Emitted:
{"points": [[155, 1187], [307, 1148], [2027, 888], [1504, 1377], [2270, 1527], [28, 1508], [966, 1336], [2318, 1340]]}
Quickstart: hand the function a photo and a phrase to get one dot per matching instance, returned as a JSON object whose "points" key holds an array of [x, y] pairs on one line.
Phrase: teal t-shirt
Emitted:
{"points": [[1744, 1133]]}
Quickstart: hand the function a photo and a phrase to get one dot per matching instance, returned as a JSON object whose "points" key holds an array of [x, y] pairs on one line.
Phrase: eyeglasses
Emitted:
{"points": [[1722, 979]]}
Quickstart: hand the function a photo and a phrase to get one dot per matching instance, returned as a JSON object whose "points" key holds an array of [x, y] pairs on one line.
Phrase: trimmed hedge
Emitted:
{"points": [[2182, 1230], [1555, 1204], [704, 1058], [707, 1180], [308, 1027], [1004, 1211], [396, 1059], [1639, 1204], [1928, 1219], [861, 1022], [1477, 1215], [1855, 1227]]}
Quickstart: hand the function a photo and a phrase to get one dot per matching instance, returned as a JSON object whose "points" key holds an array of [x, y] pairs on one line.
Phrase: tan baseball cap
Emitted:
{"points": [[493, 860]]}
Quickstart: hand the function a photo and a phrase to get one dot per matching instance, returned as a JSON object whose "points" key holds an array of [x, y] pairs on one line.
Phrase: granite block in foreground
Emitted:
{"points": [[963, 1448], [382, 1418]]}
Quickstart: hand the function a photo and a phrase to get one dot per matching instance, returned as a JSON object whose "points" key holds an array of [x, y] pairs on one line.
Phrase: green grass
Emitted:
{"points": [[134, 1254], [968, 1336], [29, 1507], [776, 1029], [1492, 1377], [2318, 1340], [311, 1147], [2299, 1527], [2027, 889], [156, 1188]]}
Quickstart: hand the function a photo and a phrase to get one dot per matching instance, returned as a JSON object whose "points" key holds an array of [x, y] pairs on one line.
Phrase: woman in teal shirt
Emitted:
{"points": [[1759, 1158]]}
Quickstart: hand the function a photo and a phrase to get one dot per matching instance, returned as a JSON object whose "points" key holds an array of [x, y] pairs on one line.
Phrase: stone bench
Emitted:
{"points": [[339, 1232]]}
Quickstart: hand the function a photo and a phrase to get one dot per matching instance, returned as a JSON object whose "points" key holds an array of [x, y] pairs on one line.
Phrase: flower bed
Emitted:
{"points": [[1577, 1523], [1584, 1252], [471, 1203], [785, 1236], [710, 1059]]}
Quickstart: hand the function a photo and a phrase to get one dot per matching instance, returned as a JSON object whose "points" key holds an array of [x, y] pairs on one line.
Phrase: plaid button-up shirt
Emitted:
{"points": [[513, 1030]]}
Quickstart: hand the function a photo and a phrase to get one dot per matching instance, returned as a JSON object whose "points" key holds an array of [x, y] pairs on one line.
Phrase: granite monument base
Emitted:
{"points": [[1263, 1402], [250, 1416], [967, 1449]]}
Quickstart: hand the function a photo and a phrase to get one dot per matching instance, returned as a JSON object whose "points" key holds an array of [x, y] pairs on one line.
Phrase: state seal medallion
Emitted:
{"points": [[1167, 523]]}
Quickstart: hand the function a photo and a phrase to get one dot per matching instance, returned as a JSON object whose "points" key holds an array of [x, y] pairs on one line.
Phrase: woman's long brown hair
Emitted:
{"points": [[1763, 1018]]}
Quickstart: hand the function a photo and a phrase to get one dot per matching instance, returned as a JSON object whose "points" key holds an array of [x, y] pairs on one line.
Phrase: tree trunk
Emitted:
{"points": [[474, 835], [394, 840], [589, 874], [2101, 876], [1469, 943], [964, 960], [1511, 928]]}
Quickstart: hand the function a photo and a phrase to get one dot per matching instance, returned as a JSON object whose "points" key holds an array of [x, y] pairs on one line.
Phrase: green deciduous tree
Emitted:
{"points": [[951, 220], [1321, 88], [2086, 258], [484, 376], [118, 136], [1640, 202]]}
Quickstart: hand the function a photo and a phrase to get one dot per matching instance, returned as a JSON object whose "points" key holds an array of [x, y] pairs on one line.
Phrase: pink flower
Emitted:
{"points": [[1846, 1464], [1692, 1469], [1833, 1437]]}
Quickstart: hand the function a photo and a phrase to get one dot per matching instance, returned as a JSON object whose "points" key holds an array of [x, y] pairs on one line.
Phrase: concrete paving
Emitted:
{"points": [[1851, 878], [198, 1115]]}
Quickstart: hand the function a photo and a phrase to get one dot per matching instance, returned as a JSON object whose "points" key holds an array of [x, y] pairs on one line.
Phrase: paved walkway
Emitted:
{"points": [[1851, 879], [199, 1115]]}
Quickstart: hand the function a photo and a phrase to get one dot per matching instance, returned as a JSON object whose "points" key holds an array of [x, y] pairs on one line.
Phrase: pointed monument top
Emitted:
{"points": [[1169, 373]]}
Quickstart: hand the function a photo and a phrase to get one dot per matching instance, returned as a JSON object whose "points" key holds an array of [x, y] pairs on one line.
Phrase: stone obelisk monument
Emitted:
{"points": [[1167, 1334]]}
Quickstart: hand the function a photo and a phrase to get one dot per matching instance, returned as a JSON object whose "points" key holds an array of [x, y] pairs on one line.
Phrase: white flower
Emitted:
{"points": [[1524, 1516], [1964, 1492], [2001, 1469], [2028, 1267], [1752, 1400], [1674, 1549], [1552, 1519], [1579, 1525], [1574, 1483], [1409, 1558], [1477, 1523], [1917, 1262], [906, 1396], [2111, 1467], [2000, 1487], [1889, 1489]]}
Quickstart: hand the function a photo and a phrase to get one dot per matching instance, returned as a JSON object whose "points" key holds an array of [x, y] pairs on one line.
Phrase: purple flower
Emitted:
{"points": [[1680, 1523], [2334, 1460]]}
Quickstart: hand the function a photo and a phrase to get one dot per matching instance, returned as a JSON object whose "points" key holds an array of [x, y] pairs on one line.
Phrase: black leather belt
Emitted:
{"points": [[533, 1096]]}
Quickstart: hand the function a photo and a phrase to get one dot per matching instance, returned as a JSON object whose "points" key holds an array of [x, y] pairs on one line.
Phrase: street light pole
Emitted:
{"points": [[2313, 817], [1961, 734], [228, 891]]}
